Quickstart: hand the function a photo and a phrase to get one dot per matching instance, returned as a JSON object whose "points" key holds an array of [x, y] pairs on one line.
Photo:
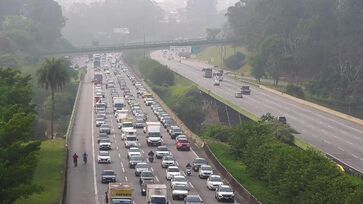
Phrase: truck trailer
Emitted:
{"points": [[119, 193]]}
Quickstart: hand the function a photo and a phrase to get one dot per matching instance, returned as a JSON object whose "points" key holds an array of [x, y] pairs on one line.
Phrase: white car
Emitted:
{"points": [[214, 181], [104, 157], [205, 171], [224, 192], [172, 171], [178, 180], [167, 160], [179, 192], [162, 151], [133, 151], [99, 122], [131, 141]]}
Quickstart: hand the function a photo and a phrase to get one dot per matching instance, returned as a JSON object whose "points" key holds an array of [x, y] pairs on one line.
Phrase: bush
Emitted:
{"points": [[295, 90], [156, 73], [235, 61]]}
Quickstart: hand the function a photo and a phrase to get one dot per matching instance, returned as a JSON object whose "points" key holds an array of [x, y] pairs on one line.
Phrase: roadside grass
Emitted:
{"points": [[212, 55], [49, 173], [238, 169]]}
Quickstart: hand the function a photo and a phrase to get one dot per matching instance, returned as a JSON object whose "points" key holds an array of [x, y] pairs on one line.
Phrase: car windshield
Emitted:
{"points": [[146, 174], [104, 154], [108, 173], [173, 170], [168, 158], [180, 187], [105, 126], [215, 178], [131, 139], [158, 200], [136, 159], [207, 168], [162, 149], [180, 179], [127, 125], [142, 165], [193, 199], [226, 189], [134, 150], [200, 161], [183, 141]]}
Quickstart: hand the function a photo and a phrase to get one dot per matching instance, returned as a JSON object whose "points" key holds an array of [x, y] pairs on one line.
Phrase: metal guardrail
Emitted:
{"points": [[67, 136], [246, 195]]}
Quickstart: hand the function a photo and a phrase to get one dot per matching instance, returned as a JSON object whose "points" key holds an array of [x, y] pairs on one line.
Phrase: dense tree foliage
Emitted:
{"points": [[17, 149], [297, 176], [235, 61], [53, 76], [31, 25], [304, 40], [156, 73]]}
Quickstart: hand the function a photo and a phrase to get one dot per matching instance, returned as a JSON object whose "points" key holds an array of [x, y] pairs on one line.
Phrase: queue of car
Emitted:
{"points": [[128, 126]]}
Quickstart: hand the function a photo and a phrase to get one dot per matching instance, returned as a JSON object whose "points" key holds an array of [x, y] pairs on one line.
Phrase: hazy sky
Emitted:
{"points": [[165, 4]]}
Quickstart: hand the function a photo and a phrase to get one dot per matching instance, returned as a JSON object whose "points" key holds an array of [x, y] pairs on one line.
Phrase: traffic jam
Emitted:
{"points": [[159, 154]]}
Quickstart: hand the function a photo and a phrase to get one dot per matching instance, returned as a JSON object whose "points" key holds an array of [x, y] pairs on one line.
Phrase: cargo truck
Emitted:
{"points": [[156, 194], [98, 77], [153, 135], [208, 72], [119, 193]]}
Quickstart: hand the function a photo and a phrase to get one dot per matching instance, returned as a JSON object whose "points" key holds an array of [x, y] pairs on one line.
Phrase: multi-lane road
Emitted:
{"points": [[338, 137], [84, 182]]}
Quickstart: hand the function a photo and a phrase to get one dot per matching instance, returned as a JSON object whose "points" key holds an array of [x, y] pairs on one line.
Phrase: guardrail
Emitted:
{"points": [[237, 187], [67, 136]]}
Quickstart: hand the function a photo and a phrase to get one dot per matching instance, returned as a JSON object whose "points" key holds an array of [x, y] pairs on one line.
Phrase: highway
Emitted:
{"points": [[338, 137], [84, 182]]}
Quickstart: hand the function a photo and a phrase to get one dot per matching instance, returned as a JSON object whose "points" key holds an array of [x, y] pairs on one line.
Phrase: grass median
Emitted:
{"points": [[240, 173], [49, 173]]}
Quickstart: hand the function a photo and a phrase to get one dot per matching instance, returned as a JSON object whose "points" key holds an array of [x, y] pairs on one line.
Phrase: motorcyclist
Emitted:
{"points": [[85, 155], [188, 166], [151, 153], [75, 158]]}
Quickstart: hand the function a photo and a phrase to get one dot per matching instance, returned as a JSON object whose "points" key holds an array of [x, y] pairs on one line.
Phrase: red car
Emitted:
{"points": [[183, 144]]}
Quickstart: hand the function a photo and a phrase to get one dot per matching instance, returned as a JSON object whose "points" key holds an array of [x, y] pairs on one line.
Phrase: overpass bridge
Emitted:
{"points": [[141, 45]]}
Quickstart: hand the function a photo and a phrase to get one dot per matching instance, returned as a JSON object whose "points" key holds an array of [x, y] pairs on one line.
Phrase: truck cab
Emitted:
{"points": [[119, 193]]}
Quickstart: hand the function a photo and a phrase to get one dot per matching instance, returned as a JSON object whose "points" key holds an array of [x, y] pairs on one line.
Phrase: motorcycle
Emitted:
{"points": [[189, 171]]}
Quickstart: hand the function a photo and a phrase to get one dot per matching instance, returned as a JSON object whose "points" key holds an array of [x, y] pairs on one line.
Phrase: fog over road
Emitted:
{"points": [[338, 137]]}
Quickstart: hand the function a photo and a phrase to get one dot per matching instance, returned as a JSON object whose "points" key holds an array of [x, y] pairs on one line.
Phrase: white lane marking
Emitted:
{"points": [[125, 178], [355, 156], [191, 149], [123, 170], [152, 169], [184, 174], [119, 155], [191, 185], [122, 165], [341, 149], [349, 142], [142, 151], [114, 136], [93, 150], [176, 162], [157, 179], [117, 147]]}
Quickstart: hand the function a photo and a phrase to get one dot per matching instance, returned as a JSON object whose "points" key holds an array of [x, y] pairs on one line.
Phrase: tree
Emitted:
{"points": [[53, 76], [17, 149]]}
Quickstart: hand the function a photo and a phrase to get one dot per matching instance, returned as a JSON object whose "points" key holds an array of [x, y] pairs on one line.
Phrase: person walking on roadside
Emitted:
{"points": [[75, 159]]}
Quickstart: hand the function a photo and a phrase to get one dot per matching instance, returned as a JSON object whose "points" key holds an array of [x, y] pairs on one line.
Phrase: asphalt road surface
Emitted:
{"points": [[338, 137], [84, 181]]}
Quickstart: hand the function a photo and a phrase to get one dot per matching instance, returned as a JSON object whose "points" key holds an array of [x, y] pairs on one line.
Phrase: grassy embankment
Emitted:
{"points": [[49, 173], [212, 55]]}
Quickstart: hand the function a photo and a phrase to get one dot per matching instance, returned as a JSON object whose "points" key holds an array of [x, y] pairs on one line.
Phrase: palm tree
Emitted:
{"points": [[53, 76]]}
